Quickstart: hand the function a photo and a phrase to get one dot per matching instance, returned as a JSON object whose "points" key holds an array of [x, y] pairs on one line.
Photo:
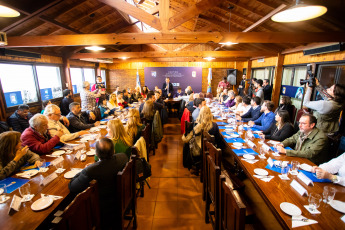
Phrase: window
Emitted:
{"points": [[79, 75], [18, 84], [264, 73], [49, 80], [104, 77]]}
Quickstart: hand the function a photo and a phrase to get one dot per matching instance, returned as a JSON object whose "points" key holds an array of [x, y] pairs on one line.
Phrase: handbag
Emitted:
{"points": [[194, 148], [143, 169]]}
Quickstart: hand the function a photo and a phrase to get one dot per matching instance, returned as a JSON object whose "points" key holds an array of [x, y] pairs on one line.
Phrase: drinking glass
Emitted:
{"points": [[240, 129], [3, 191], [262, 139], [262, 151], [294, 167], [24, 191], [328, 194], [284, 170], [59, 167], [314, 201], [43, 166]]}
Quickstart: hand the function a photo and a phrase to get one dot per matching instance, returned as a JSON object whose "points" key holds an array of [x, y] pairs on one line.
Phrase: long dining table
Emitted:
{"points": [[26, 218], [277, 191]]}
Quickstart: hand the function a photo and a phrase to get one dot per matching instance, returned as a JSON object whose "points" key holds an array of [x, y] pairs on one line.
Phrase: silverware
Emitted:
{"points": [[303, 219]]}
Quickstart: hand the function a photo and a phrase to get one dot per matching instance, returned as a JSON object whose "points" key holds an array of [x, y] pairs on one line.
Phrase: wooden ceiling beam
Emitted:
{"points": [[135, 12], [164, 14], [186, 59], [173, 38], [191, 12]]}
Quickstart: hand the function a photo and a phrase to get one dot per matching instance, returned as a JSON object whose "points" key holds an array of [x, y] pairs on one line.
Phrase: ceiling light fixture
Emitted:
{"points": [[228, 43], [8, 12], [299, 12], [95, 48], [209, 58], [123, 58]]}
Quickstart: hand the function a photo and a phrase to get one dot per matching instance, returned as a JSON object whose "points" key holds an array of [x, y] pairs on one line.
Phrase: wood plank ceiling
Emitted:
{"points": [[41, 20]]}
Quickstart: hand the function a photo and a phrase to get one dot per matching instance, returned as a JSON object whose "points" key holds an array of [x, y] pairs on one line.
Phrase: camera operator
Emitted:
{"points": [[328, 110]]}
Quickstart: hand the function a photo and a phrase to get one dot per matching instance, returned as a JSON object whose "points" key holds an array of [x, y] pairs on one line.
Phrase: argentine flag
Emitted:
{"points": [[209, 90], [138, 81]]}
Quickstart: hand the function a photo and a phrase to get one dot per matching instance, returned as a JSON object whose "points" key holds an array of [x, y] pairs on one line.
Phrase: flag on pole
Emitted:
{"points": [[209, 90], [138, 81]]}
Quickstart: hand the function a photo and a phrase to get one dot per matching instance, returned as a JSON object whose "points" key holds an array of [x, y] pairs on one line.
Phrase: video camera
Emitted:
{"points": [[311, 80]]}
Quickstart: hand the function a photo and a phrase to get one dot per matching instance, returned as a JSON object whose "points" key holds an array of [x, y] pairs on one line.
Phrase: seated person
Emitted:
{"points": [[19, 120], [309, 142], [135, 96], [104, 171], [53, 113], [144, 92], [238, 103], [282, 129], [253, 113], [178, 93], [151, 97], [266, 119], [37, 136], [112, 103], [122, 141], [190, 104], [126, 96], [230, 100], [333, 170], [148, 112], [78, 119], [134, 125], [67, 99], [244, 107], [199, 103], [120, 101], [105, 111], [224, 95], [285, 104], [158, 97], [13, 156], [44, 105]]}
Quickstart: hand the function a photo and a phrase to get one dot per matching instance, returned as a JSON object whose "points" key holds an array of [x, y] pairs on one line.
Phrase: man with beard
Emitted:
{"points": [[79, 120]]}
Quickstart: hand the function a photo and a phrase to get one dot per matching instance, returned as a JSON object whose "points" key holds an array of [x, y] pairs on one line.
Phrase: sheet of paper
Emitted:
{"points": [[15, 204]]}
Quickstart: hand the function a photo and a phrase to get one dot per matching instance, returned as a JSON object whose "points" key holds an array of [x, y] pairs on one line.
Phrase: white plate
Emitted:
{"points": [[92, 152], [238, 144], [261, 172], [234, 135], [71, 174], [306, 167], [30, 173], [338, 205], [42, 203], [290, 209], [248, 156], [58, 153]]}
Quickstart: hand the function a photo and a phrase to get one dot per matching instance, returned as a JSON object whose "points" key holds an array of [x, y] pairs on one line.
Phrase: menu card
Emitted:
{"points": [[251, 144], [305, 179], [266, 148], [15, 203], [299, 188], [270, 162], [56, 161], [49, 179]]}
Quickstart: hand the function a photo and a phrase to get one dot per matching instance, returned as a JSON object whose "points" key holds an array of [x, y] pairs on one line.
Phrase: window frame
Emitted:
{"points": [[83, 76], [34, 70]]}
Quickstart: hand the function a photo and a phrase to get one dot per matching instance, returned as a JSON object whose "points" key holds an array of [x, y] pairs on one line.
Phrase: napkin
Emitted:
{"points": [[51, 196], [315, 211], [251, 161], [43, 170], [284, 177], [23, 175], [60, 170], [6, 199], [28, 197], [264, 178], [297, 221]]}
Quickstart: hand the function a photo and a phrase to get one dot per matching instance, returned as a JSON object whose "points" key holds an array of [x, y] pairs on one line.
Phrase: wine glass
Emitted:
{"points": [[24, 191], [294, 167], [328, 194], [262, 138], [59, 167], [43, 165], [314, 201], [262, 152]]}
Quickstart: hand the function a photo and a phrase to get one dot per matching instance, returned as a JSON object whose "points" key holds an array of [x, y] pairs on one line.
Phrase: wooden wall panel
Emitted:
{"points": [[298, 58], [271, 61], [81, 63], [43, 59]]}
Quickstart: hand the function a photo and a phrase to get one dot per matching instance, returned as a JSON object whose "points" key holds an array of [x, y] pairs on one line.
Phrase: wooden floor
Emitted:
{"points": [[174, 200]]}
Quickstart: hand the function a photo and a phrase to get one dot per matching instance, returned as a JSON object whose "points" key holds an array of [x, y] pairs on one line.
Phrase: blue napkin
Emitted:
{"points": [[221, 123], [287, 148], [223, 127], [105, 119], [253, 129], [224, 133], [233, 140], [313, 177], [13, 183], [241, 152], [256, 135]]}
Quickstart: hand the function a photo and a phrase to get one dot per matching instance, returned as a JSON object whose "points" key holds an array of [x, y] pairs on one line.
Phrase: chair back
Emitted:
{"points": [[146, 134], [232, 211], [294, 113], [216, 154], [126, 194], [83, 212]]}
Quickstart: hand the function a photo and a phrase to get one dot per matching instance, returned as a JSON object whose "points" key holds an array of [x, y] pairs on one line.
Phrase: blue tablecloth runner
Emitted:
{"points": [[224, 133], [221, 123], [241, 152], [253, 129], [13, 183], [223, 127], [313, 177], [235, 139], [274, 168], [287, 148]]}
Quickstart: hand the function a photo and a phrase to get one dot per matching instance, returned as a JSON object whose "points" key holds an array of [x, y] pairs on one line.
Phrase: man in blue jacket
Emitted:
{"points": [[253, 113], [266, 119]]}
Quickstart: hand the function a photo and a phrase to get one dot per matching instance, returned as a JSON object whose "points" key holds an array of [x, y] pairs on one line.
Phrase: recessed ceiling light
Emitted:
{"points": [[95, 48], [123, 58], [228, 43], [299, 12], [8, 12], [209, 58]]}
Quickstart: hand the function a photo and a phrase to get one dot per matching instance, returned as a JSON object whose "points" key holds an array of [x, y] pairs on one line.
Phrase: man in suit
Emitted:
{"points": [[168, 88], [104, 172], [79, 120], [253, 113], [267, 90]]}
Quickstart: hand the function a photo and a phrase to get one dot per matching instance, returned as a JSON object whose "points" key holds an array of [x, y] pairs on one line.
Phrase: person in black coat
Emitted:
{"points": [[19, 120], [267, 90], [242, 86], [167, 88], [104, 172], [79, 120], [67, 99], [285, 104], [282, 129], [253, 113]]}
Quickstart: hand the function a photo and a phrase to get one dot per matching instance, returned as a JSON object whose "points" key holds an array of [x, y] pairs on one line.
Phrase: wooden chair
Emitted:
{"points": [[212, 194], [83, 212], [232, 211], [126, 195], [215, 153], [204, 138], [146, 134]]}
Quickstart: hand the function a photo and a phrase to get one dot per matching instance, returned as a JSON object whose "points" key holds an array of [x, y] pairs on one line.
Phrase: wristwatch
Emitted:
{"points": [[335, 179]]}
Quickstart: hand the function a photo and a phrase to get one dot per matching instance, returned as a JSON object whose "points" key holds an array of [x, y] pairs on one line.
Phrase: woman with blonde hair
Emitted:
{"points": [[148, 111], [112, 103], [134, 125], [238, 105], [13, 156]]}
